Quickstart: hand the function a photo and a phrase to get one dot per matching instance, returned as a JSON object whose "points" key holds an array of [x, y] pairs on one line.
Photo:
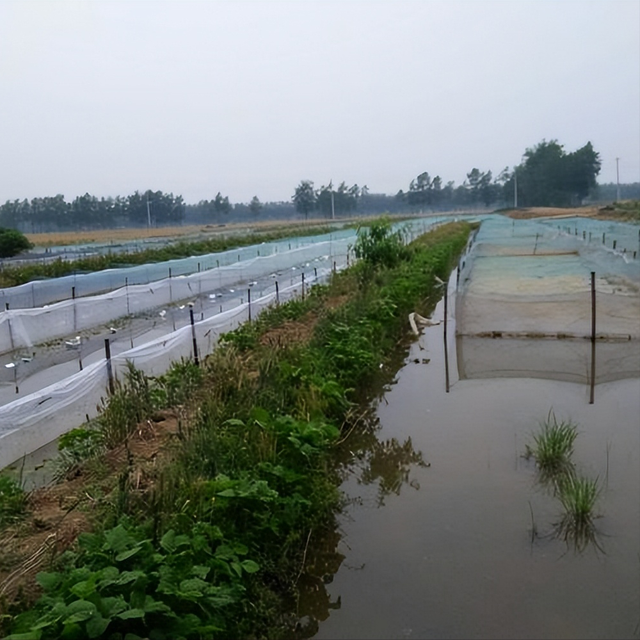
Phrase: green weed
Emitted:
{"points": [[553, 447], [13, 500], [578, 496]]}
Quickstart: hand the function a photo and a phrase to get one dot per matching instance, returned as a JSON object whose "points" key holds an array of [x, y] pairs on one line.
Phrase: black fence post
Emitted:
{"points": [[193, 337], [107, 353]]}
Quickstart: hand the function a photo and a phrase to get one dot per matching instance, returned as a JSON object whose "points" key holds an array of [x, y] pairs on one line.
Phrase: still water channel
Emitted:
{"points": [[449, 534]]}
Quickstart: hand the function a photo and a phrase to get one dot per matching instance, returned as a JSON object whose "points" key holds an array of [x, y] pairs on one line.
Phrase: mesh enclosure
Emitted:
{"points": [[530, 279], [530, 282]]}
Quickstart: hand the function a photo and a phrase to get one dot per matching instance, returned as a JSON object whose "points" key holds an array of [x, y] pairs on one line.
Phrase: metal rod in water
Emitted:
{"points": [[249, 302], [593, 338], [277, 293], [446, 351]]}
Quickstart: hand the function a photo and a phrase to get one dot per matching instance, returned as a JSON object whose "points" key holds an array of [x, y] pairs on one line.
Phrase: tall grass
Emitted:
{"points": [[553, 446], [578, 496]]}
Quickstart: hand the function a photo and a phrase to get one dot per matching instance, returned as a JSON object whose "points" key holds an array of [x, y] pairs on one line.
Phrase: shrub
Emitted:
{"points": [[12, 242]]}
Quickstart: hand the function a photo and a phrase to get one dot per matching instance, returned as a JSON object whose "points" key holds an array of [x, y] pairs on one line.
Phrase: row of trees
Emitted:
{"points": [[547, 176], [87, 211], [326, 200]]}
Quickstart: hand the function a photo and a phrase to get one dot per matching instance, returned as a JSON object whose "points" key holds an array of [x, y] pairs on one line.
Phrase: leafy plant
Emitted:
{"points": [[13, 500], [177, 385], [379, 246], [122, 586], [77, 446]]}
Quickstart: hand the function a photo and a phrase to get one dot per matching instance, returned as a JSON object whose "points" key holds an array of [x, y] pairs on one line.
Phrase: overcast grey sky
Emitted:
{"points": [[250, 97]]}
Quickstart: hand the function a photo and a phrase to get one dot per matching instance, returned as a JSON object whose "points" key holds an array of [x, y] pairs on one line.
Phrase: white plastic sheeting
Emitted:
{"points": [[32, 422]]}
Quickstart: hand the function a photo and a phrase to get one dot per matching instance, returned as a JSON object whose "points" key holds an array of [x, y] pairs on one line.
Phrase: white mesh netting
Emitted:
{"points": [[529, 283]]}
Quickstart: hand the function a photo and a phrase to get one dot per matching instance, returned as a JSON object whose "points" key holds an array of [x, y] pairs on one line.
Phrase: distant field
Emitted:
{"points": [[626, 211], [194, 231]]}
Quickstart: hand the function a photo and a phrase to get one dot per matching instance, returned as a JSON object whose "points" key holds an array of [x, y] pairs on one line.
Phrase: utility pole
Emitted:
{"points": [[515, 188], [333, 208], [148, 212], [617, 179]]}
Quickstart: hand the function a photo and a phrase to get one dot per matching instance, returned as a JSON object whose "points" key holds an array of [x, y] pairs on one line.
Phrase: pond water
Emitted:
{"points": [[462, 544]]}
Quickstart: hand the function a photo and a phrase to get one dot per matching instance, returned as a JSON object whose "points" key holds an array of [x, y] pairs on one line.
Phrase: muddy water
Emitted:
{"points": [[463, 546]]}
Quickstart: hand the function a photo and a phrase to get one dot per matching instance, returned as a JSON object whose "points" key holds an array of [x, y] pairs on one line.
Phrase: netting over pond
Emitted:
{"points": [[533, 279]]}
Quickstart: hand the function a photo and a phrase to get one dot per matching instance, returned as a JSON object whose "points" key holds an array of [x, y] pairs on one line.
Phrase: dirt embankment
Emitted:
{"points": [[609, 212], [57, 514]]}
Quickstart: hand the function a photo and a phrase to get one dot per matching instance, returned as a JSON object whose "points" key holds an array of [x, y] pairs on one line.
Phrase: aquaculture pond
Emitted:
{"points": [[450, 532]]}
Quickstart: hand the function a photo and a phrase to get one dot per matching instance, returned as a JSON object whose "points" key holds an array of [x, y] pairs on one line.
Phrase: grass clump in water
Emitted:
{"points": [[578, 496], [553, 447]]}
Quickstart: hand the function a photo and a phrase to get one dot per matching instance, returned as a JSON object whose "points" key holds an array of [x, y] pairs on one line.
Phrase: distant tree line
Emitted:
{"points": [[547, 176], [88, 212]]}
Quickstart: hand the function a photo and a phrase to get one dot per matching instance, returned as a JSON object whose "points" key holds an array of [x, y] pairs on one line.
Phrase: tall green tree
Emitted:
{"points": [[550, 177], [255, 206], [304, 198], [221, 205]]}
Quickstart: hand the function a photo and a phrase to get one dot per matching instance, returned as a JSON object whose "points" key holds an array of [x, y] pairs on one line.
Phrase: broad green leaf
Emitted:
{"points": [[48, 581], [96, 626], [125, 555], [193, 586], [112, 606], [167, 542], [239, 548], [129, 576], [153, 606], [131, 613], [79, 611], [118, 539], [260, 415], [200, 571], [237, 568], [250, 566], [84, 589], [29, 635]]}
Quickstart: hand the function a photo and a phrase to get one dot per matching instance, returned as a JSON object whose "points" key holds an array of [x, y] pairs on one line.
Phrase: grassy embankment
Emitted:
{"points": [[208, 536]]}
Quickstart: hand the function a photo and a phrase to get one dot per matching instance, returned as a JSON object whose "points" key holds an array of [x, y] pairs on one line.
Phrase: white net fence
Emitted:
{"points": [[531, 283]]}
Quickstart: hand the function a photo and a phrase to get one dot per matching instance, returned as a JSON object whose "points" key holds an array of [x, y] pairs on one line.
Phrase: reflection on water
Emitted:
{"points": [[388, 463], [383, 464]]}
